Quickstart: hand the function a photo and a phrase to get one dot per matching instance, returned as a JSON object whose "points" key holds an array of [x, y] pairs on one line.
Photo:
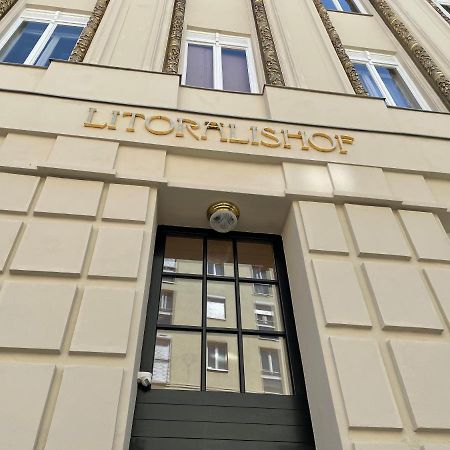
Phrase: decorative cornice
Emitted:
{"points": [[5, 6], [173, 50], [272, 68], [87, 35], [346, 62], [439, 10], [419, 55]]}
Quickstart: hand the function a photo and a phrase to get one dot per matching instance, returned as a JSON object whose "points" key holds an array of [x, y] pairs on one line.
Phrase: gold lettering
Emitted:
{"points": [[190, 125], [90, 120], [214, 126], [233, 138], [133, 117], [149, 121], [300, 135], [269, 133], [318, 147], [254, 131], [113, 122], [344, 139]]}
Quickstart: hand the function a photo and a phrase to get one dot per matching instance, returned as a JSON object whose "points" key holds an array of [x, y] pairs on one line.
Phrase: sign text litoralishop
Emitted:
{"points": [[265, 136]]}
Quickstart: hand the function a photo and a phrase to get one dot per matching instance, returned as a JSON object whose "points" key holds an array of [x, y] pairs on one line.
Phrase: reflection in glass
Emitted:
{"points": [[177, 361], [220, 258], [266, 366], [221, 304], [180, 302], [260, 311], [256, 260], [183, 255], [367, 80], [222, 363], [199, 70], [235, 70]]}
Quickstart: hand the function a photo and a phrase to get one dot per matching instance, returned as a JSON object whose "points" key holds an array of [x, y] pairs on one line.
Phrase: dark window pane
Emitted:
{"points": [[329, 5], [183, 255], [22, 42], [446, 7], [60, 44], [397, 87], [199, 70], [235, 71], [367, 80], [220, 258], [348, 6]]}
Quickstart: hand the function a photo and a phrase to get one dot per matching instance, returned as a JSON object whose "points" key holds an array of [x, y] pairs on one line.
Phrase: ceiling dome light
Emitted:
{"points": [[223, 216]]}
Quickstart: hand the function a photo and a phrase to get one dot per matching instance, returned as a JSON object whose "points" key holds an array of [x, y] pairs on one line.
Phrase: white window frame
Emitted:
{"points": [[214, 266], [263, 312], [166, 312], [216, 299], [373, 59], [169, 266], [439, 4], [52, 18], [357, 3], [271, 375], [217, 41], [215, 357], [258, 270]]}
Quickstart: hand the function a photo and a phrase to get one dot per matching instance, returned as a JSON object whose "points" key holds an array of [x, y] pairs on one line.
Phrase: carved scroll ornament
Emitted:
{"points": [[173, 50], [272, 68], [419, 55], [5, 6], [439, 10], [87, 35], [346, 62]]}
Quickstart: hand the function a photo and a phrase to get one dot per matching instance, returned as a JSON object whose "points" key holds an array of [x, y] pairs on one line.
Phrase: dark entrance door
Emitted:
{"points": [[221, 344]]}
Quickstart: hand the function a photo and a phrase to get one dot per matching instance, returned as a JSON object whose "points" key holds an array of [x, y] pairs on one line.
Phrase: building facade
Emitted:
{"points": [[322, 322]]}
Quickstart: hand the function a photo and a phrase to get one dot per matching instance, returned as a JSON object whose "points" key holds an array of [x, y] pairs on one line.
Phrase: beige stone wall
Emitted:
{"points": [[74, 256], [378, 282]]}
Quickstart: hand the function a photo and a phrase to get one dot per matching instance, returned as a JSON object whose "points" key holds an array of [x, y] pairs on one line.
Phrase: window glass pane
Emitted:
{"points": [[222, 363], [260, 310], [367, 80], [447, 8], [266, 366], [180, 302], [235, 71], [60, 44], [177, 362], [348, 6], [256, 258], [183, 255], [199, 70], [22, 42], [329, 5], [220, 258], [221, 304], [397, 87]]}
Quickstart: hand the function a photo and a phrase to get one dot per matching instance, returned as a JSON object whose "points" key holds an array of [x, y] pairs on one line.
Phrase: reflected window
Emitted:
{"points": [[217, 356], [270, 371], [265, 317], [354, 6], [382, 76], [216, 308], [261, 273], [216, 269], [165, 307], [217, 61], [39, 36], [161, 363]]}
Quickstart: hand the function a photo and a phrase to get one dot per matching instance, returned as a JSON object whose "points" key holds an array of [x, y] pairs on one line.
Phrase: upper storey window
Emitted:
{"points": [[218, 61], [38, 36], [383, 76], [344, 5], [444, 5]]}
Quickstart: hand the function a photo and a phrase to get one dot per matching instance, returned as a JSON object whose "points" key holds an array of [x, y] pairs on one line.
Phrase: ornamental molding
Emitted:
{"points": [[5, 6], [417, 52], [271, 63], [439, 10], [346, 62], [88, 33], [173, 50]]}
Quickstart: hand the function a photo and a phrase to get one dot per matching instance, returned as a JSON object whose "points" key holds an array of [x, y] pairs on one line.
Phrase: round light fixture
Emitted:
{"points": [[223, 216]]}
